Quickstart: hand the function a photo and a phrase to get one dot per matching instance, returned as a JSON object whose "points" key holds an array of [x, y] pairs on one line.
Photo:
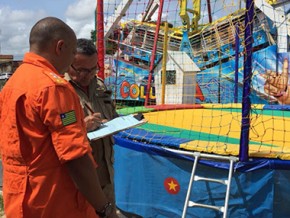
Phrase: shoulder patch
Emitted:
{"points": [[99, 78], [56, 78], [68, 118], [101, 85]]}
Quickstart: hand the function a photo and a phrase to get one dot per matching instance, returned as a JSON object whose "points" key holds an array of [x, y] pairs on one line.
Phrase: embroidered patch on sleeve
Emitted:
{"points": [[68, 118]]}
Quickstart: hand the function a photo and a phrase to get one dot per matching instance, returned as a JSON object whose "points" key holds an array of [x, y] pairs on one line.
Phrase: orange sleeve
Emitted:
{"points": [[61, 111]]}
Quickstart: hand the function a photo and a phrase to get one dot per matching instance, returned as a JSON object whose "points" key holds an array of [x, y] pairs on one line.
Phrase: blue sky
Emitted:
{"points": [[18, 16], [53, 7]]}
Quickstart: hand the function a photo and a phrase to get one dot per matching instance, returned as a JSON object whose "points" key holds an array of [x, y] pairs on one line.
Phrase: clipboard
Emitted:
{"points": [[116, 125]]}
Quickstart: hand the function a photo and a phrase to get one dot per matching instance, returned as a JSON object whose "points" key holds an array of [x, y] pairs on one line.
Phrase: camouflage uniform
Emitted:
{"points": [[99, 99]]}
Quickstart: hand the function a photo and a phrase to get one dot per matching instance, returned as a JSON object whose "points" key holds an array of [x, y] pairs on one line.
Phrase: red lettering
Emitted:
{"points": [[124, 89], [134, 91]]}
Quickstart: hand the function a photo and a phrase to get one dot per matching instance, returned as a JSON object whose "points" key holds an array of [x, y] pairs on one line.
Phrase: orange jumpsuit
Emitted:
{"points": [[41, 127]]}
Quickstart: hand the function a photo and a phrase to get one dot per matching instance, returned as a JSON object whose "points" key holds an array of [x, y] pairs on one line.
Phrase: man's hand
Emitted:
{"points": [[276, 84], [85, 177], [93, 121]]}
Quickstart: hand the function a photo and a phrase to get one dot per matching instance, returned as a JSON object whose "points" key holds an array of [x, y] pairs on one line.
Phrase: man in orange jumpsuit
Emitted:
{"points": [[48, 170]]}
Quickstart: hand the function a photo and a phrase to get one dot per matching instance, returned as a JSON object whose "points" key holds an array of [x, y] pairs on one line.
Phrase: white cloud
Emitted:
{"points": [[80, 16], [17, 17], [14, 30], [15, 25]]}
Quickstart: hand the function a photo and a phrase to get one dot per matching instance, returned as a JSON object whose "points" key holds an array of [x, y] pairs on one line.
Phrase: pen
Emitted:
{"points": [[89, 108]]}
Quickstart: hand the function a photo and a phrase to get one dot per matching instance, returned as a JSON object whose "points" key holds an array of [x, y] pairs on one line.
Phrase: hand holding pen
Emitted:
{"points": [[92, 121]]}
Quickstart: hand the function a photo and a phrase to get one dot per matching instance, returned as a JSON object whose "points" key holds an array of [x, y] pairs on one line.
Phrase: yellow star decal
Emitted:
{"points": [[172, 185]]}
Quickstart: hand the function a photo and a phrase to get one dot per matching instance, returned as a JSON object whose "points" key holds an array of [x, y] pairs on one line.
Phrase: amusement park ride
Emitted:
{"points": [[199, 62], [217, 48]]}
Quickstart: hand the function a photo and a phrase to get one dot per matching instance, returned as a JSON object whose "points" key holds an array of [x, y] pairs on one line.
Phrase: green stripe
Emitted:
{"points": [[194, 135], [69, 118]]}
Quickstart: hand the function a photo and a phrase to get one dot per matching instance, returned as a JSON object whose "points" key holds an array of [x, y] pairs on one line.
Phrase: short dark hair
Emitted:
{"points": [[86, 47]]}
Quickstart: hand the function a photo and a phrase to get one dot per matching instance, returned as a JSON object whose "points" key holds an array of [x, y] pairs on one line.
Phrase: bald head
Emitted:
{"points": [[47, 30], [54, 40]]}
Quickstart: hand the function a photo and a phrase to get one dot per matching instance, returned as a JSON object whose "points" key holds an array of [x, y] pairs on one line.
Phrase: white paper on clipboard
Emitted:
{"points": [[116, 125]]}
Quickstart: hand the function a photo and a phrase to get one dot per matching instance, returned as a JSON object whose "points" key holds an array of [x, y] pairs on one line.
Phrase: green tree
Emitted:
{"points": [[93, 36]]}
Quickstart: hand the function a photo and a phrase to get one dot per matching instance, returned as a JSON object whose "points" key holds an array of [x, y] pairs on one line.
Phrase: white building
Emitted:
{"points": [[180, 85]]}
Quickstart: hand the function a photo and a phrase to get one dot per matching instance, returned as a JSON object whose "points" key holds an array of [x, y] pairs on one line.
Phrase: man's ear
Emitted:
{"points": [[59, 46]]}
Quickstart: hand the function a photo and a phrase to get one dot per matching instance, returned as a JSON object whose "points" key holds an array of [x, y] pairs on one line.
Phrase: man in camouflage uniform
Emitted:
{"points": [[98, 108]]}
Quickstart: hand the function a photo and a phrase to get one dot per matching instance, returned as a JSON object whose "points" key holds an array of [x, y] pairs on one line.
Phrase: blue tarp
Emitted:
{"points": [[152, 182], [142, 140]]}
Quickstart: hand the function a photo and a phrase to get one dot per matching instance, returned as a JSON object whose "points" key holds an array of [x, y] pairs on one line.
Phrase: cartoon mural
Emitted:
{"points": [[129, 82], [217, 48]]}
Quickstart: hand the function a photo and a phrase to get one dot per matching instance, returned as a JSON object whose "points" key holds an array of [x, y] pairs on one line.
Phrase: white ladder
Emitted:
{"points": [[227, 182]]}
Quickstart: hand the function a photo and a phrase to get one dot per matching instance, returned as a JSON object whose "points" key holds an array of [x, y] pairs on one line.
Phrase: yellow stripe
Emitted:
{"points": [[265, 130]]}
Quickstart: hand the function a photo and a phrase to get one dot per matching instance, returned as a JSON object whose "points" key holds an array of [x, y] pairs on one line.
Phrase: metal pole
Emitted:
{"points": [[246, 101], [164, 60], [237, 52], [152, 59], [100, 37]]}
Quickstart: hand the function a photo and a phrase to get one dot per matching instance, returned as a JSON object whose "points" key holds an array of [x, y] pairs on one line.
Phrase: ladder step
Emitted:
{"points": [[193, 204], [227, 182], [222, 181]]}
